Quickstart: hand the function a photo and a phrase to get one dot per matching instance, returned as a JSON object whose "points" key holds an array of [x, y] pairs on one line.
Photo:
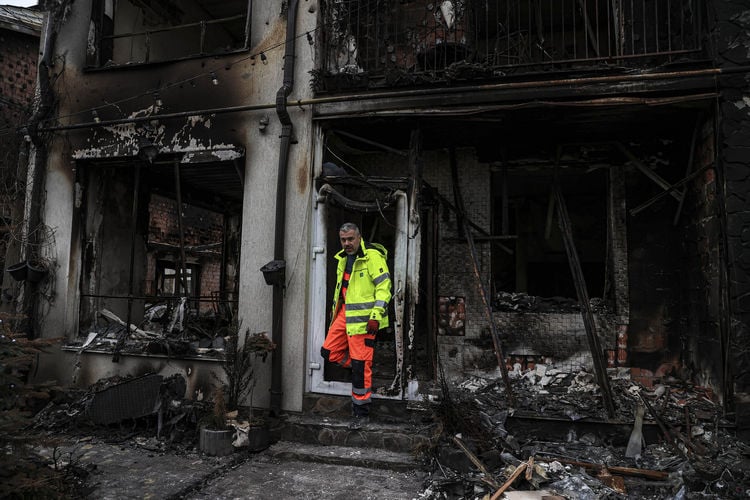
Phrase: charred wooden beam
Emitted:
{"points": [[490, 479], [646, 170], [597, 354], [625, 471], [482, 292], [516, 473], [688, 168], [371, 143], [669, 190]]}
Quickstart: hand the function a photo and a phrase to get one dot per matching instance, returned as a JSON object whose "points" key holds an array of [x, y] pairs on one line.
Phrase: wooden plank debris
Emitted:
{"points": [[488, 477], [516, 473], [623, 471]]}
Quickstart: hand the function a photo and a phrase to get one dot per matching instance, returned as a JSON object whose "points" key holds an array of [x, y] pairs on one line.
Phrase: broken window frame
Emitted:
{"points": [[101, 49], [192, 278], [96, 303]]}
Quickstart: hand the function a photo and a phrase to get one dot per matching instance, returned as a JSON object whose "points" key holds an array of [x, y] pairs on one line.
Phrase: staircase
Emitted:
{"points": [[393, 439]]}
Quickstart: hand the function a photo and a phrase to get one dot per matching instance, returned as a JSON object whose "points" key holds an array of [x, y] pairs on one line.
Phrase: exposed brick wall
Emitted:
{"points": [[18, 61], [200, 227]]}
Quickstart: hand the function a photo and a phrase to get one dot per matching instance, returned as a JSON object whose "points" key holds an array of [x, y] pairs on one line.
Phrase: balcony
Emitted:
{"points": [[381, 43]]}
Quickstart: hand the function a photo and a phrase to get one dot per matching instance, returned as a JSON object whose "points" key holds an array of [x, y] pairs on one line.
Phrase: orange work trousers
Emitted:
{"points": [[355, 351]]}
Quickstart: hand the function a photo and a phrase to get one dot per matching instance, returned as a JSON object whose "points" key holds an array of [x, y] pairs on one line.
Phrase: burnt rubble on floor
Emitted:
{"points": [[522, 302], [170, 331], [150, 408], [556, 440]]}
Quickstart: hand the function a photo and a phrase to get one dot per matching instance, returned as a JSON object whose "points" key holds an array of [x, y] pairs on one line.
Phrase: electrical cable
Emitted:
{"points": [[159, 90]]}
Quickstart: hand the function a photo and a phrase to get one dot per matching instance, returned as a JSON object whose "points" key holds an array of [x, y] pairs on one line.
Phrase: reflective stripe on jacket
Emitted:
{"points": [[369, 289]]}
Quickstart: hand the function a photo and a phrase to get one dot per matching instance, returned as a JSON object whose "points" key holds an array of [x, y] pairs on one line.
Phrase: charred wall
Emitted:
{"points": [[467, 351], [700, 286], [732, 53], [672, 266]]}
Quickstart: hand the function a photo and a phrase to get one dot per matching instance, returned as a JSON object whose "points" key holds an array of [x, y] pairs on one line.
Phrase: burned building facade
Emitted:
{"points": [[557, 182]]}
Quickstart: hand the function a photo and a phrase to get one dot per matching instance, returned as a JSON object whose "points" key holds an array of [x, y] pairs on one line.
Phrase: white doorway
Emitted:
{"points": [[321, 258]]}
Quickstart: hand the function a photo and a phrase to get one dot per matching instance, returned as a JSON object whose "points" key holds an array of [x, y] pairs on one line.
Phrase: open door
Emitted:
{"points": [[390, 227]]}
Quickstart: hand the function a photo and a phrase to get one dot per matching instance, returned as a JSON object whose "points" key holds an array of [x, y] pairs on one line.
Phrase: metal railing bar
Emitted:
{"points": [[158, 298], [173, 28], [656, 24], [415, 38]]}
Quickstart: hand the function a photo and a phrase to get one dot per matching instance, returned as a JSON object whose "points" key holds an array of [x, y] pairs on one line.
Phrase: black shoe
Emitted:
{"points": [[358, 421]]}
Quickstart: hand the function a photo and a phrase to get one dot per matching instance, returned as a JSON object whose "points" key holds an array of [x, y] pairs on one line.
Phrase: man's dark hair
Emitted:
{"points": [[349, 226]]}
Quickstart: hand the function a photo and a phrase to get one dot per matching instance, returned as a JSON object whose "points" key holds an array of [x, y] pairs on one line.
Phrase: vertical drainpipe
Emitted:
{"points": [[278, 247], [34, 202]]}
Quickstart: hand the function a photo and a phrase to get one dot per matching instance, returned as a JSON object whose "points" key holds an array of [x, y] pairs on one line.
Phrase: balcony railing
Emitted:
{"points": [[411, 41]]}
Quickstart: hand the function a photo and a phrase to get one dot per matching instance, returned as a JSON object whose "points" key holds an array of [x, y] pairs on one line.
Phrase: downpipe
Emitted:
{"points": [[280, 230]]}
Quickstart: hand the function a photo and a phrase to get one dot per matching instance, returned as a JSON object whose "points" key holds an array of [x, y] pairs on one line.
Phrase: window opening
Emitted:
{"points": [[178, 309], [144, 31], [539, 265]]}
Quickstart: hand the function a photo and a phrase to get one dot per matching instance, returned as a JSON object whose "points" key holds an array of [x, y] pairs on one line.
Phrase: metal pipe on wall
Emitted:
{"points": [[278, 247]]}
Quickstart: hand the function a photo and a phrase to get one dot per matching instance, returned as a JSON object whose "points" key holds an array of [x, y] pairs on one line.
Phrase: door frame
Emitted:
{"points": [[317, 325]]}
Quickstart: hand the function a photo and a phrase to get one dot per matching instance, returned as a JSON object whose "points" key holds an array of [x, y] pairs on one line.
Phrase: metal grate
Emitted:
{"points": [[133, 398], [402, 39]]}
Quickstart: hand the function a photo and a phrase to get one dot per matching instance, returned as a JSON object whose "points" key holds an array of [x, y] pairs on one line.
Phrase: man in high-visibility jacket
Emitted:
{"points": [[360, 309]]}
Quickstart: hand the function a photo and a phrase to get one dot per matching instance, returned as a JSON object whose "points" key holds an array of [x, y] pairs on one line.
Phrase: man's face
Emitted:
{"points": [[350, 241]]}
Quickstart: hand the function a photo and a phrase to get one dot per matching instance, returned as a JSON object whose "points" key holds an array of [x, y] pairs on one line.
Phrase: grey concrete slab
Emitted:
{"points": [[140, 469], [127, 471], [269, 478]]}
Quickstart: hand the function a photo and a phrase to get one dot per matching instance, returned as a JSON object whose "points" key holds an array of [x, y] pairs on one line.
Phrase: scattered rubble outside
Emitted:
{"points": [[554, 442]]}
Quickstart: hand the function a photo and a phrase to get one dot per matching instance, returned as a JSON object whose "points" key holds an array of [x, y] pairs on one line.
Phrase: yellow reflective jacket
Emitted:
{"points": [[369, 289]]}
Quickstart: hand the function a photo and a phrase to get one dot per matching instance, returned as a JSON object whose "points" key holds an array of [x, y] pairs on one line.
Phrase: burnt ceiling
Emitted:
{"points": [[521, 137], [217, 185]]}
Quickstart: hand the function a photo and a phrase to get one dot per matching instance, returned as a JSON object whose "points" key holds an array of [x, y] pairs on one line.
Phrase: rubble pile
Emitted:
{"points": [[170, 424], [171, 331], [522, 302], [684, 449]]}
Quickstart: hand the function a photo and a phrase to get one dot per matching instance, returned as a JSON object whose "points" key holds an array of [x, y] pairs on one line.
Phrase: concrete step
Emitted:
{"points": [[371, 458], [402, 437]]}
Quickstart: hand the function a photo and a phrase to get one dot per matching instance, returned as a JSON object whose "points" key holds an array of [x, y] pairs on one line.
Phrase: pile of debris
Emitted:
{"points": [[119, 408], [170, 331], [556, 439], [522, 302]]}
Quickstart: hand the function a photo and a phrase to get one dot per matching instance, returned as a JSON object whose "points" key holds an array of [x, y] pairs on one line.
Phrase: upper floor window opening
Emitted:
{"points": [[144, 31]]}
